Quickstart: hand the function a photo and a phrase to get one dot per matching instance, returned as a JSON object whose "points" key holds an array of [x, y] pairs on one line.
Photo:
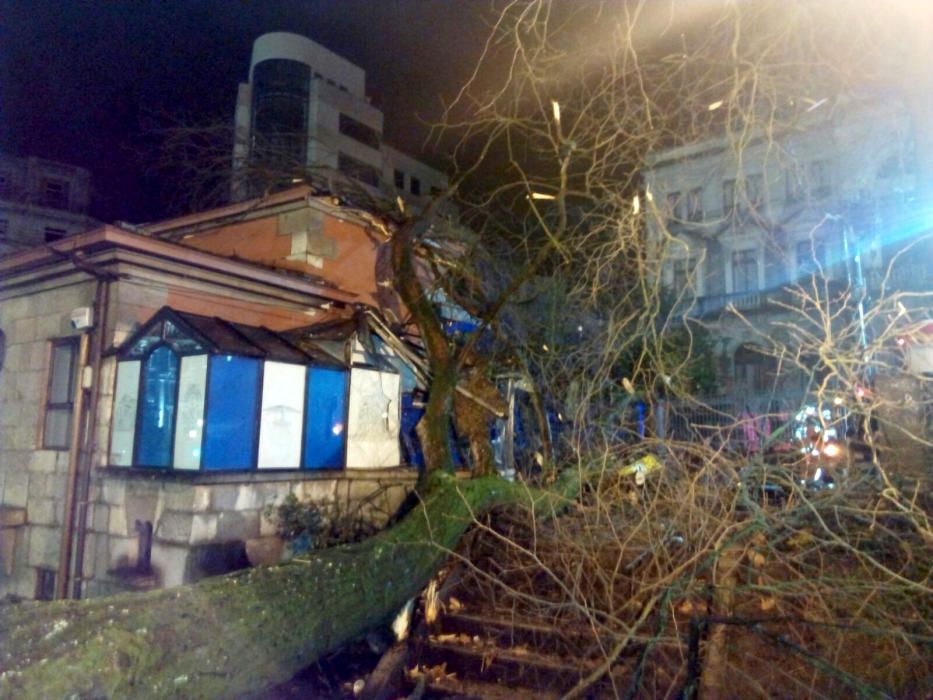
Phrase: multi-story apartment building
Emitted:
{"points": [[745, 220], [41, 201], [304, 112]]}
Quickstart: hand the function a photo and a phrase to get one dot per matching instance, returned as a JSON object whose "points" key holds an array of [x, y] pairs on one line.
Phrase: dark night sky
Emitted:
{"points": [[79, 78]]}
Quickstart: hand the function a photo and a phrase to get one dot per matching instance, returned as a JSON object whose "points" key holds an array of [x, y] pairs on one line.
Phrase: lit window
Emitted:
{"points": [[60, 395]]}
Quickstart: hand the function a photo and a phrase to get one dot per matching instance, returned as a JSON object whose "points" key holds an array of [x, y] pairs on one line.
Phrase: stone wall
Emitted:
{"points": [[32, 480], [203, 523]]}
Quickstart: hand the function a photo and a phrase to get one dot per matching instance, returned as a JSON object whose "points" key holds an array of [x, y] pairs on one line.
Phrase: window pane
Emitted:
{"points": [[190, 423], [231, 416], [61, 385], [57, 434], [373, 422], [283, 390], [160, 383], [125, 401], [744, 271], [325, 418]]}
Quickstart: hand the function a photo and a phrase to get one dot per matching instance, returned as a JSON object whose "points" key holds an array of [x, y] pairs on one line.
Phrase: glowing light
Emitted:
{"points": [[542, 195], [337, 429], [715, 105], [192, 433], [555, 107], [636, 204], [832, 450], [838, 400], [901, 341], [545, 347]]}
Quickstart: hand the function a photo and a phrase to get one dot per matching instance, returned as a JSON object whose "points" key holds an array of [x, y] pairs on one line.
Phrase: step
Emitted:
{"points": [[511, 632], [443, 686], [517, 667]]}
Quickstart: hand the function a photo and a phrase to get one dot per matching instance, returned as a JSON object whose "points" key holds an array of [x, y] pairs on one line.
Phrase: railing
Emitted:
{"points": [[738, 422]]}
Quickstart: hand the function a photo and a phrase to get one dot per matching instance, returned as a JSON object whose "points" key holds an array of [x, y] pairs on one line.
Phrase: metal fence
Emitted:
{"points": [[746, 422]]}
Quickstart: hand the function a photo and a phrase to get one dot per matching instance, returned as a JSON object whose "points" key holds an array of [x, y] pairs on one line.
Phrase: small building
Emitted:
{"points": [[154, 400]]}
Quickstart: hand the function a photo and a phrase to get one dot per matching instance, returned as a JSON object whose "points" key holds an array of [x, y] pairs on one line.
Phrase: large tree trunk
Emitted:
{"points": [[234, 635]]}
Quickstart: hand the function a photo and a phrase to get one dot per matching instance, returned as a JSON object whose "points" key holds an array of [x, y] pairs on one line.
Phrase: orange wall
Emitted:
{"points": [[352, 268]]}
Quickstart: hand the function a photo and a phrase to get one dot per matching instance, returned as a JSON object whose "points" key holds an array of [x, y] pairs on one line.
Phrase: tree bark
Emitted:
{"points": [[234, 635]]}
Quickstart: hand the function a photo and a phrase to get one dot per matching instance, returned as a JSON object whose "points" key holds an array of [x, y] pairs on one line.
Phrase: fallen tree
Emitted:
{"points": [[237, 634]]}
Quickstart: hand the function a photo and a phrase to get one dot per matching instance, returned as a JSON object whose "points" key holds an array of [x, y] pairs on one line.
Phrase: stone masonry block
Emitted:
{"points": [[43, 546], [51, 325], [247, 498], [41, 511], [317, 491], [16, 489], [171, 562], [62, 461], [100, 517], [174, 526], [237, 526], [117, 523], [114, 491], [202, 499], [35, 356], [204, 528], [224, 497], [45, 460], [24, 330], [178, 497]]}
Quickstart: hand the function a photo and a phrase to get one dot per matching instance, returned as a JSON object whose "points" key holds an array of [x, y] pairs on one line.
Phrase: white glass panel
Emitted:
{"points": [[125, 397], [189, 423], [372, 430], [283, 393]]}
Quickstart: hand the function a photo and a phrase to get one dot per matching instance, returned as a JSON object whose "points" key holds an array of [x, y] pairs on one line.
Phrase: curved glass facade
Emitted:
{"points": [[280, 112]]}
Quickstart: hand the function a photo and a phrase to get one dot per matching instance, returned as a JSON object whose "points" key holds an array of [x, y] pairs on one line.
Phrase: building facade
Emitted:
{"points": [[161, 386], [304, 113], [41, 201], [742, 227]]}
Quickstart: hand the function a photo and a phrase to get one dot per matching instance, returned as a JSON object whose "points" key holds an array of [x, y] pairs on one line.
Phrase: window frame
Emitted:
{"points": [[729, 188], [55, 192], [745, 254], [73, 344], [695, 205]]}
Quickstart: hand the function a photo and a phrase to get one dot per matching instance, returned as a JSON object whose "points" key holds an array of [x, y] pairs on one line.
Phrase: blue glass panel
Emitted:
{"points": [[231, 417], [325, 418], [157, 413]]}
